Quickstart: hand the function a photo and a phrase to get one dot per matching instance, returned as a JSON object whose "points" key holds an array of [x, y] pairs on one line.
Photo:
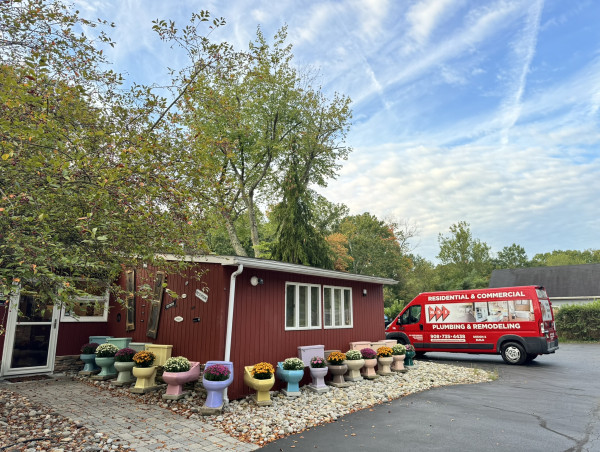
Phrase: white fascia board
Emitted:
{"points": [[265, 264]]}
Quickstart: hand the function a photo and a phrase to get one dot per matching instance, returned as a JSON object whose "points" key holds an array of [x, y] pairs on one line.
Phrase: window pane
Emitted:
{"points": [[303, 304], [290, 306], [314, 306], [327, 306], [347, 308], [32, 309], [31, 346], [337, 306]]}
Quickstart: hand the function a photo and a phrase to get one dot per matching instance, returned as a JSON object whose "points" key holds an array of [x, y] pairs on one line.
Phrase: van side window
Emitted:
{"points": [[411, 315]]}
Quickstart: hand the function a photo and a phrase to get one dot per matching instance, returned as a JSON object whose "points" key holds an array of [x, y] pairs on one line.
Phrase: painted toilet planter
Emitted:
{"points": [[145, 379], [384, 365], [398, 364], [261, 386], [368, 370], [125, 377], [318, 379], [176, 380], [107, 366], [408, 360], [216, 388], [337, 371], [89, 364], [291, 377], [354, 367]]}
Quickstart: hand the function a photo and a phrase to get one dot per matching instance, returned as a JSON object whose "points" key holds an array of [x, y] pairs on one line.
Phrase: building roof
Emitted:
{"points": [[560, 281], [266, 264]]}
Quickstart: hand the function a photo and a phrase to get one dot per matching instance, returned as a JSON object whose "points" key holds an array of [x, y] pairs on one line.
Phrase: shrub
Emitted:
{"points": [[217, 372], [316, 362], [125, 355], [144, 358], [262, 371], [398, 349], [89, 348], [384, 352], [336, 358], [293, 364], [106, 350], [368, 353], [177, 364], [579, 322], [353, 355]]}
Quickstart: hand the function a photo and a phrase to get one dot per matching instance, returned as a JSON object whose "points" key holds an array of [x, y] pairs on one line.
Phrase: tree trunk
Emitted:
{"points": [[233, 237]]}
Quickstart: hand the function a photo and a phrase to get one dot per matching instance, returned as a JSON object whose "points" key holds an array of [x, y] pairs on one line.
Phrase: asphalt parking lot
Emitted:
{"points": [[552, 404]]}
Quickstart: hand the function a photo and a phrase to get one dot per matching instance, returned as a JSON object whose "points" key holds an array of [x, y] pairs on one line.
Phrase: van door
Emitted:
{"points": [[411, 324]]}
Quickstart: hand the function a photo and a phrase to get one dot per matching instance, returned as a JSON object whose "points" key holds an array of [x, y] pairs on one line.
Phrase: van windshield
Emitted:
{"points": [[411, 315]]}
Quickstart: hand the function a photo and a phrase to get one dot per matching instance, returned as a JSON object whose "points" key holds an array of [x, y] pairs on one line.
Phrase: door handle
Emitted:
{"points": [[421, 326], [55, 322]]}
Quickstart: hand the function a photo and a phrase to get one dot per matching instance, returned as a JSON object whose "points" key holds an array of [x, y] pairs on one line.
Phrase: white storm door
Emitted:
{"points": [[31, 332]]}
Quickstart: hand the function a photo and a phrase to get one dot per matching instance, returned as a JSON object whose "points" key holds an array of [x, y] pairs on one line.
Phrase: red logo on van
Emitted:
{"points": [[438, 313]]}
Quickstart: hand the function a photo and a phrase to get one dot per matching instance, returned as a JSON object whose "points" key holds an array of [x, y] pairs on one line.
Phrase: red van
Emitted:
{"points": [[516, 322]]}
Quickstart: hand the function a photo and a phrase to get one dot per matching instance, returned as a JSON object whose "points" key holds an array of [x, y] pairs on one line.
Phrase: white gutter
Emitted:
{"points": [[230, 319], [230, 312]]}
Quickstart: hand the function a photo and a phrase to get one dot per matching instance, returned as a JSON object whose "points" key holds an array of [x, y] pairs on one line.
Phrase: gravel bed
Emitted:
{"points": [[30, 427], [19, 419]]}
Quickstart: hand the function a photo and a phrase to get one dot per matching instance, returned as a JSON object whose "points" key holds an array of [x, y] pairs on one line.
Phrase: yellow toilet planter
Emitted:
{"points": [[161, 352], [145, 380], [262, 387]]}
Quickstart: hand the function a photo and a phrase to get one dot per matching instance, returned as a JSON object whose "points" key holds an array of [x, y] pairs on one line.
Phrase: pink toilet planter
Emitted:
{"points": [[176, 380]]}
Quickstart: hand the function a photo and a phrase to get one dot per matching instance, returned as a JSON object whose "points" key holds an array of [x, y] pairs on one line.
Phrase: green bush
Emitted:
{"points": [[579, 322]]}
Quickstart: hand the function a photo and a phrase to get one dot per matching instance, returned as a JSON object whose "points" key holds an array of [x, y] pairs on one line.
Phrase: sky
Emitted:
{"points": [[484, 111]]}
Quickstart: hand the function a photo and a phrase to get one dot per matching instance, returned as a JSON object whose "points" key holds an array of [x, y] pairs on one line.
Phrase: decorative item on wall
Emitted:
{"points": [[202, 295], [178, 319], [130, 300], [155, 305]]}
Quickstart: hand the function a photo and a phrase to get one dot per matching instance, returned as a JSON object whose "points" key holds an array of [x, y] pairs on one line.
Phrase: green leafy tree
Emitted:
{"points": [[465, 261], [513, 256], [566, 257], [84, 186], [250, 119]]}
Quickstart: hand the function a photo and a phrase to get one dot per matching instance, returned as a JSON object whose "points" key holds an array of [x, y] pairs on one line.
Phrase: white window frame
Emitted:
{"points": [[66, 317], [309, 319], [333, 310]]}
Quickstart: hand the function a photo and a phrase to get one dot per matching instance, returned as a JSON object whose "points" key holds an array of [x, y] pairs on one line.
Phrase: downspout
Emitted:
{"points": [[230, 317]]}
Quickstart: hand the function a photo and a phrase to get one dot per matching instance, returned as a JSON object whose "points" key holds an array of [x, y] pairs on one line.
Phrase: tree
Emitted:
{"points": [[513, 256], [465, 261], [251, 119], [297, 240], [566, 257], [83, 183]]}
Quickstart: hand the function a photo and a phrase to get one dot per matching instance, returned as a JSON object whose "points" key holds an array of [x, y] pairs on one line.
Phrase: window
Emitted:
{"points": [[410, 316], [337, 307], [90, 308], [302, 306]]}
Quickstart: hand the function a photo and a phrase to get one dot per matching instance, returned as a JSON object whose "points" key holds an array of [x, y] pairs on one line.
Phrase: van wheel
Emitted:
{"points": [[419, 355], [513, 353], [531, 357]]}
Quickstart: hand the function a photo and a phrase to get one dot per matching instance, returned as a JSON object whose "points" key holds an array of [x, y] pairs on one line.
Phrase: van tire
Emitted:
{"points": [[513, 353], [531, 357]]}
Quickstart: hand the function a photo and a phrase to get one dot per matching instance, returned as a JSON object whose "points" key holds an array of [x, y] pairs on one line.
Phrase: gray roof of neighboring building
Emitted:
{"points": [[560, 281]]}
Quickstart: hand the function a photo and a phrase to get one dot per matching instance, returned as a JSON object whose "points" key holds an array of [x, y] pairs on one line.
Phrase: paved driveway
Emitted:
{"points": [[552, 404]]}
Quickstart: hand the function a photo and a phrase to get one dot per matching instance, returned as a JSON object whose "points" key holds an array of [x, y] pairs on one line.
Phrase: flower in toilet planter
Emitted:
{"points": [[262, 371], [409, 348], [217, 372], [89, 348], [353, 355], [144, 358], [177, 364], [368, 353], [336, 358], [106, 350], [398, 349], [293, 364], [125, 355], [384, 352], [316, 362]]}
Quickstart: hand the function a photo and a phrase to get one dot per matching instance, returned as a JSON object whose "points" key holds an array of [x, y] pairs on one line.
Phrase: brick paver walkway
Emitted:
{"points": [[144, 427]]}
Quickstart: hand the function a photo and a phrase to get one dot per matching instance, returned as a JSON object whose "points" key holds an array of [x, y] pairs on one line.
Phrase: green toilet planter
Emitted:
{"points": [[124, 365], [410, 354], [88, 356], [120, 342], [105, 358]]}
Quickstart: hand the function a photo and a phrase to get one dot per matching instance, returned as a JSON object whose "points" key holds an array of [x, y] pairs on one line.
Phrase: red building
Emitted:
{"points": [[237, 309]]}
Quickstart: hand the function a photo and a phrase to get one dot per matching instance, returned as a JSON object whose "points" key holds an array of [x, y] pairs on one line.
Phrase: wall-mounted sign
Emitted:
{"points": [[178, 319], [183, 295], [203, 296], [171, 304]]}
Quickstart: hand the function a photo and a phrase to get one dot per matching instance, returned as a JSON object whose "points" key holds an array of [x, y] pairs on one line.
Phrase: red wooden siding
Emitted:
{"points": [[72, 335], [259, 321]]}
